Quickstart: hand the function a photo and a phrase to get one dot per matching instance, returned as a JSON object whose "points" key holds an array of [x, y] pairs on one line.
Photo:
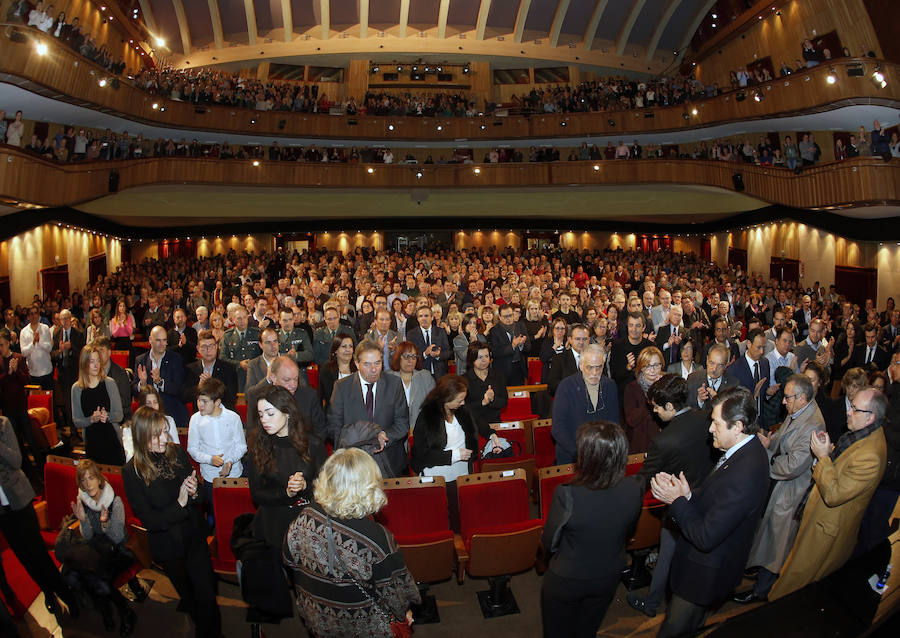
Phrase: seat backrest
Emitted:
{"points": [[312, 374], [120, 358], [512, 431], [41, 399], [113, 474], [635, 463], [535, 366], [517, 407], [544, 447], [549, 478], [490, 499], [241, 409], [231, 498], [416, 505], [60, 488]]}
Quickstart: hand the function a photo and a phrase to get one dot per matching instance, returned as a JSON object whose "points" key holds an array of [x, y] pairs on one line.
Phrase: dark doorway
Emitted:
{"points": [[96, 267], [857, 284], [785, 269], [737, 257], [55, 280]]}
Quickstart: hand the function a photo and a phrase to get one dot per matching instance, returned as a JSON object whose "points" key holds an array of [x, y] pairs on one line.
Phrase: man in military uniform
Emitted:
{"points": [[294, 342], [240, 344]]}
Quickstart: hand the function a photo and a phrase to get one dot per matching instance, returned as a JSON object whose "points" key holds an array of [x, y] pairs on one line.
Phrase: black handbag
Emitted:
{"points": [[513, 449]]}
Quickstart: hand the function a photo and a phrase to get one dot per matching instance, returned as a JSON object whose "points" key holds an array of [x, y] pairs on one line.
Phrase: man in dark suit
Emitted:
{"points": [[703, 385], [803, 316], [432, 342], [182, 337], [869, 355], [890, 333], [285, 373], [165, 372], [509, 343], [568, 362], [670, 336], [115, 372], [258, 367], [209, 365], [717, 519], [450, 296], [720, 335], [65, 352], [369, 395], [752, 370], [682, 446]]}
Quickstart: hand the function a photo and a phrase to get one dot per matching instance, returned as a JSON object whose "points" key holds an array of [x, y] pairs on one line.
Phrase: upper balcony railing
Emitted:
{"points": [[27, 178], [63, 74]]}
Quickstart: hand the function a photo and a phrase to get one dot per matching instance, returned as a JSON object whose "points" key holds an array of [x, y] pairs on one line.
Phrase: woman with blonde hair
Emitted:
{"points": [[97, 410], [97, 327], [162, 489], [349, 573], [121, 327]]}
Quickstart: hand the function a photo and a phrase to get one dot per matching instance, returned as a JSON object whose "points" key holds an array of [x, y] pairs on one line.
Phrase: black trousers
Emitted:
{"points": [[193, 578], [574, 608], [22, 532], [21, 423], [683, 618]]}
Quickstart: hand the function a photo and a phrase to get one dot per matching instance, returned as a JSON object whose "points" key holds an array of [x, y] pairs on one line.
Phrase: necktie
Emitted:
{"points": [[869, 354], [714, 384], [756, 372], [427, 339], [720, 462], [674, 347], [370, 403]]}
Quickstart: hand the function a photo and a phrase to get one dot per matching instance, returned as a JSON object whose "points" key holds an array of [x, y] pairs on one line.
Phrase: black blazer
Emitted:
{"points": [[717, 526], [171, 528], [67, 363], [222, 370], [512, 365], [593, 527], [490, 413], [430, 437], [436, 365], [172, 372], [684, 445], [662, 338], [741, 371], [879, 362], [697, 378], [187, 352], [562, 365]]}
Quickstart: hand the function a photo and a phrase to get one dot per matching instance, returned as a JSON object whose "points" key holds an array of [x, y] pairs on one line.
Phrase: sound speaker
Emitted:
{"points": [[114, 181], [738, 180], [445, 77]]}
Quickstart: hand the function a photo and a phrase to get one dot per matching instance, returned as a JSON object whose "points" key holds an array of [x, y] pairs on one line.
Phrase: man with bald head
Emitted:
{"points": [[284, 372], [65, 353], [164, 371], [671, 334]]}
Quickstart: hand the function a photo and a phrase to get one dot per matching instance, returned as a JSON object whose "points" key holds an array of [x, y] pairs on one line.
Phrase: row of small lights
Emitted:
{"points": [[92, 232]]}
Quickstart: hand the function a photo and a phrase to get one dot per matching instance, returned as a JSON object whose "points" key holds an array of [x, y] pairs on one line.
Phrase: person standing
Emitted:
{"points": [[65, 353], [36, 343], [509, 344], [97, 410], [14, 403], [432, 342], [589, 522], [164, 371], [717, 519]]}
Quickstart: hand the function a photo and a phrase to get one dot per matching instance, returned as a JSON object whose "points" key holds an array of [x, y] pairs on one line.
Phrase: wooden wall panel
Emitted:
{"points": [[781, 36]]}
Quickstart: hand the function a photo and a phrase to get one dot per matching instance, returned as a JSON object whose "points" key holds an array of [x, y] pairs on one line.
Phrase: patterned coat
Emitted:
{"points": [[332, 604]]}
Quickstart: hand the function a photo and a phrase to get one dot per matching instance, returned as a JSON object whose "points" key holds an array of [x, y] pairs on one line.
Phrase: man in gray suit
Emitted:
{"points": [[704, 385], [814, 346], [791, 469], [370, 395], [258, 367], [386, 338]]}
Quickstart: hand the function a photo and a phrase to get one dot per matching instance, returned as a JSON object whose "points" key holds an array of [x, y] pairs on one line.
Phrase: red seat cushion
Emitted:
{"points": [[544, 447], [241, 409], [417, 510], [487, 505], [509, 528], [312, 373], [41, 400], [60, 491]]}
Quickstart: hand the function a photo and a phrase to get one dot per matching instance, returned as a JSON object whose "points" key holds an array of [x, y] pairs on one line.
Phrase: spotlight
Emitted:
{"points": [[611, 122], [466, 69], [477, 171], [713, 25], [154, 106], [715, 16], [415, 68], [390, 127], [399, 68], [41, 48], [256, 162], [440, 69], [102, 83], [759, 97], [694, 111], [160, 42], [370, 170], [419, 174], [483, 127], [879, 76], [831, 78], [596, 167], [563, 123], [440, 128]]}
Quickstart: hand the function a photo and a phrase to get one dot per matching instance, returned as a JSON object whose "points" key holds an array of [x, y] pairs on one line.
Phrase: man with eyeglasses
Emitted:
{"points": [[371, 396], [258, 367], [509, 343], [843, 482], [568, 362], [209, 365], [704, 385], [790, 469], [580, 398]]}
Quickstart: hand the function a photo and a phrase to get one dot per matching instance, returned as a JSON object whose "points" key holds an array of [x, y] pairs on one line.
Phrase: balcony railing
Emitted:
{"points": [[63, 74]]}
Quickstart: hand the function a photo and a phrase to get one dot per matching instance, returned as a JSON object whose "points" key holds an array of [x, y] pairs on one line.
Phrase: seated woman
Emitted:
{"points": [[97, 410], [101, 518], [162, 489], [445, 438], [150, 397], [348, 571], [487, 395], [406, 363], [340, 364], [589, 523], [640, 423]]}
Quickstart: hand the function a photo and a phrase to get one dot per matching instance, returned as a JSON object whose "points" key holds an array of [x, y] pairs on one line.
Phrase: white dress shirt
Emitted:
{"points": [[37, 355], [209, 436]]}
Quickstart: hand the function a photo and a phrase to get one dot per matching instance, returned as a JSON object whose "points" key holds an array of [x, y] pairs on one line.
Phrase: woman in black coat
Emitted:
{"points": [[445, 438], [162, 489], [589, 523], [487, 395]]}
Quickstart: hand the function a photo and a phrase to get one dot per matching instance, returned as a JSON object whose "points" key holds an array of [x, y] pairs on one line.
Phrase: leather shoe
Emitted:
{"points": [[749, 596], [639, 604]]}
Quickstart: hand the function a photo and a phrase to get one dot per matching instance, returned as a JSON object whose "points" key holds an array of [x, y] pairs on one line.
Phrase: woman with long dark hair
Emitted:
{"points": [[340, 364], [487, 394], [588, 525]]}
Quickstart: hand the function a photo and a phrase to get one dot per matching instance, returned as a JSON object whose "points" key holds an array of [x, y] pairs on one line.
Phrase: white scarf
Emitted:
{"points": [[105, 500]]}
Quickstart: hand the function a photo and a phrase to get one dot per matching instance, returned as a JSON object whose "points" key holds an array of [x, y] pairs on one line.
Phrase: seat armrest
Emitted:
{"points": [[40, 508], [462, 558]]}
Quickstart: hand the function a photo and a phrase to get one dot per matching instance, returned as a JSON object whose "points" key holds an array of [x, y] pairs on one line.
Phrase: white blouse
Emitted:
{"points": [[456, 440]]}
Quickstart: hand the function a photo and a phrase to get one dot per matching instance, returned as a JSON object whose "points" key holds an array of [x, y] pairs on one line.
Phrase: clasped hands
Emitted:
{"points": [[668, 487]]}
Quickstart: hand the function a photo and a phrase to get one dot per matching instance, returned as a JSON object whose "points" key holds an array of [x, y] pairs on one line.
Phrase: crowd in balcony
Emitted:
{"points": [[645, 337]]}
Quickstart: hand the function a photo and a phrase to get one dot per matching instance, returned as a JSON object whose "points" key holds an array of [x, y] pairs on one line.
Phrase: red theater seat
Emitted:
{"points": [[312, 373], [544, 446], [549, 478], [120, 358], [498, 535], [516, 433], [231, 498], [38, 398], [534, 370], [518, 408]]}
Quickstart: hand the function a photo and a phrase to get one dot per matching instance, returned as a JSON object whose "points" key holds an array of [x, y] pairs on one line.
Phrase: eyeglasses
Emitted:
{"points": [[790, 397], [409, 355], [654, 366], [856, 409]]}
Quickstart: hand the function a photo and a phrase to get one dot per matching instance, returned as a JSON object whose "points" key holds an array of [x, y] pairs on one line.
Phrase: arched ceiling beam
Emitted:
{"points": [[250, 10], [524, 6], [442, 19], [660, 27], [558, 18], [363, 18], [591, 32], [147, 10], [183, 26], [287, 17], [216, 19], [404, 18], [689, 34], [625, 33], [481, 23]]}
